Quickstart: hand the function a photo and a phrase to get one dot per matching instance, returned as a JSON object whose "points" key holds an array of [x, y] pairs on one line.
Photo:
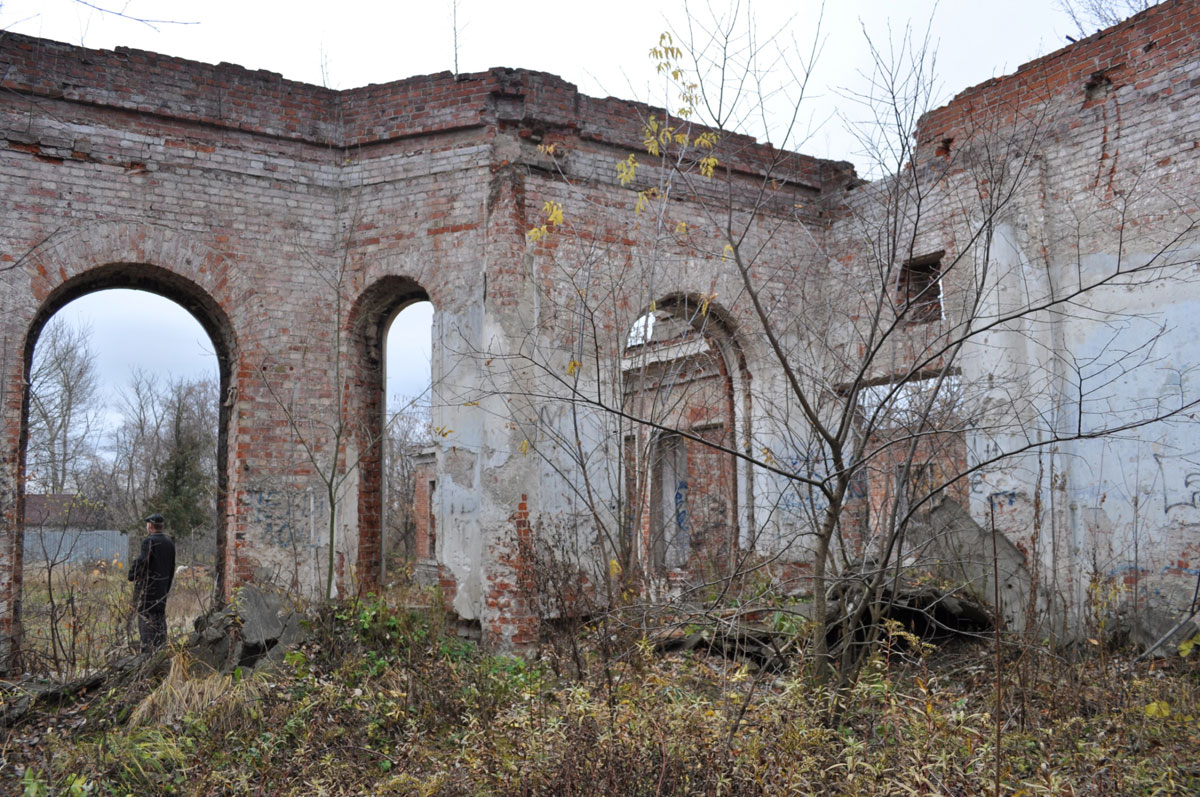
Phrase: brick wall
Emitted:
{"points": [[293, 221]]}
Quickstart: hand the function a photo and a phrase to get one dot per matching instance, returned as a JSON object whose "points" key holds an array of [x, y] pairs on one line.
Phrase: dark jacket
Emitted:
{"points": [[153, 571]]}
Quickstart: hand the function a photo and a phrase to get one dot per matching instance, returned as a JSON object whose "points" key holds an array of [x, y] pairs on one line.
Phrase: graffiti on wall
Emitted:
{"points": [[799, 501], [288, 517], [1179, 480]]}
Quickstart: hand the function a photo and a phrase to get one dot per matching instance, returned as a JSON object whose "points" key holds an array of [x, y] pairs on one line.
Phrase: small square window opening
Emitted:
{"points": [[920, 289]]}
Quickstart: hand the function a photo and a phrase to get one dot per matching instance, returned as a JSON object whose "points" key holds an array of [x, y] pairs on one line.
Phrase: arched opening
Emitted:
{"points": [[410, 462], [124, 369], [394, 321], [685, 379]]}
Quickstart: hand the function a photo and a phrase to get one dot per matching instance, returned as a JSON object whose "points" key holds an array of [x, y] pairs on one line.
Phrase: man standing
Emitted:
{"points": [[152, 574]]}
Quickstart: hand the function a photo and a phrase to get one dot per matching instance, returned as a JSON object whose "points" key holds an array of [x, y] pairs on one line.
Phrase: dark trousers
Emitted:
{"points": [[152, 627]]}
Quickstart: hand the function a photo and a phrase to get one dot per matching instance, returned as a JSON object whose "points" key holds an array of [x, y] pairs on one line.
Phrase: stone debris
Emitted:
{"points": [[255, 630]]}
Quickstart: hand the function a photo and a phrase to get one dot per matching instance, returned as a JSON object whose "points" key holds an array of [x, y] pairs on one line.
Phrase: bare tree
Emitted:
{"points": [[125, 13], [134, 448], [64, 407], [408, 437], [1090, 16], [160, 455], [871, 325]]}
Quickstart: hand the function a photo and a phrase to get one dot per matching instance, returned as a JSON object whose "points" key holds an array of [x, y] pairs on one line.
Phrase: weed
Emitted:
{"points": [[387, 700]]}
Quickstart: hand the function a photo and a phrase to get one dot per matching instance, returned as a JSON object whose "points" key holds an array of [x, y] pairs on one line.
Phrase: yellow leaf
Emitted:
{"points": [[681, 228], [572, 367], [524, 446], [1158, 710], [650, 136], [614, 568], [727, 251], [627, 169]]}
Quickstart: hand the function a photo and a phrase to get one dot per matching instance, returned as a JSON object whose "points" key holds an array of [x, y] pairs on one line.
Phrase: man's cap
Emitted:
{"points": [[156, 519]]}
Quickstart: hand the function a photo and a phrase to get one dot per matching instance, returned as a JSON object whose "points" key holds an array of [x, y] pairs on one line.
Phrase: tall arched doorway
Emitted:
{"points": [[685, 379], [157, 442], [394, 323]]}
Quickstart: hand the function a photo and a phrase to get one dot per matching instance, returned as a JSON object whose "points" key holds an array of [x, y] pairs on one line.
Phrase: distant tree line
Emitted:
{"points": [[153, 449]]}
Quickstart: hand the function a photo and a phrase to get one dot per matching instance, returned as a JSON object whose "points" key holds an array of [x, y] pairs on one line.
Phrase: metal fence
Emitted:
{"points": [[74, 546]]}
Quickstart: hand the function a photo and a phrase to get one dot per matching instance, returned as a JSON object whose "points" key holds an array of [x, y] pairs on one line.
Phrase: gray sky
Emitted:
{"points": [[601, 47], [135, 329]]}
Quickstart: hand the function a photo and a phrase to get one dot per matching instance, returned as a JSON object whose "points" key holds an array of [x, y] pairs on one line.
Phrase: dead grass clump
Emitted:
{"points": [[192, 690]]}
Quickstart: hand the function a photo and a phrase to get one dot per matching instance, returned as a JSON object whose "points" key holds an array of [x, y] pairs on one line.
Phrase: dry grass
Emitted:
{"points": [[78, 617], [191, 689], [383, 700]]}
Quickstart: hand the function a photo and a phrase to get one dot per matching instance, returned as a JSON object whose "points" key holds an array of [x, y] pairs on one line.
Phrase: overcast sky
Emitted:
{"points": [[601, 47]]}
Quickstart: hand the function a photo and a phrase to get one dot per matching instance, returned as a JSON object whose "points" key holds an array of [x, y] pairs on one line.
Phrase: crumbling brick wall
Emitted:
{"points": [[1088, 157], [293, 221]]}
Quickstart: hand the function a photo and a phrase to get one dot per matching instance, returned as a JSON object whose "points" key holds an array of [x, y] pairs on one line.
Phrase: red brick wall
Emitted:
{"points": [[244, 197], [1151, 52], [291, 220], [424, 518]]}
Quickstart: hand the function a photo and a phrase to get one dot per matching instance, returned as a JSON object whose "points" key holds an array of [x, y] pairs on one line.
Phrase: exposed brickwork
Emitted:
{"points": [[684, 499], [1152, 54], [294, 221], [423, 509], [245, 197], [507, 617], [1105, 133]]}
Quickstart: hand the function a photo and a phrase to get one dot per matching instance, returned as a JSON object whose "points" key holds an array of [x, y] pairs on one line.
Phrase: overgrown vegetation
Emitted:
{"points": [[78, 617], [385, 700]]}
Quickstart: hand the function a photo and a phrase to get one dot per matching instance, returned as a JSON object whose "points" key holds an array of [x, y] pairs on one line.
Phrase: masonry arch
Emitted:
{"points": [[211, 317], [684, 371], [371, 319]]}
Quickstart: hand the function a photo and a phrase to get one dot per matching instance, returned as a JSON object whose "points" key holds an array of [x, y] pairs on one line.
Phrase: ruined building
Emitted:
{"points": [[997, 331]]}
